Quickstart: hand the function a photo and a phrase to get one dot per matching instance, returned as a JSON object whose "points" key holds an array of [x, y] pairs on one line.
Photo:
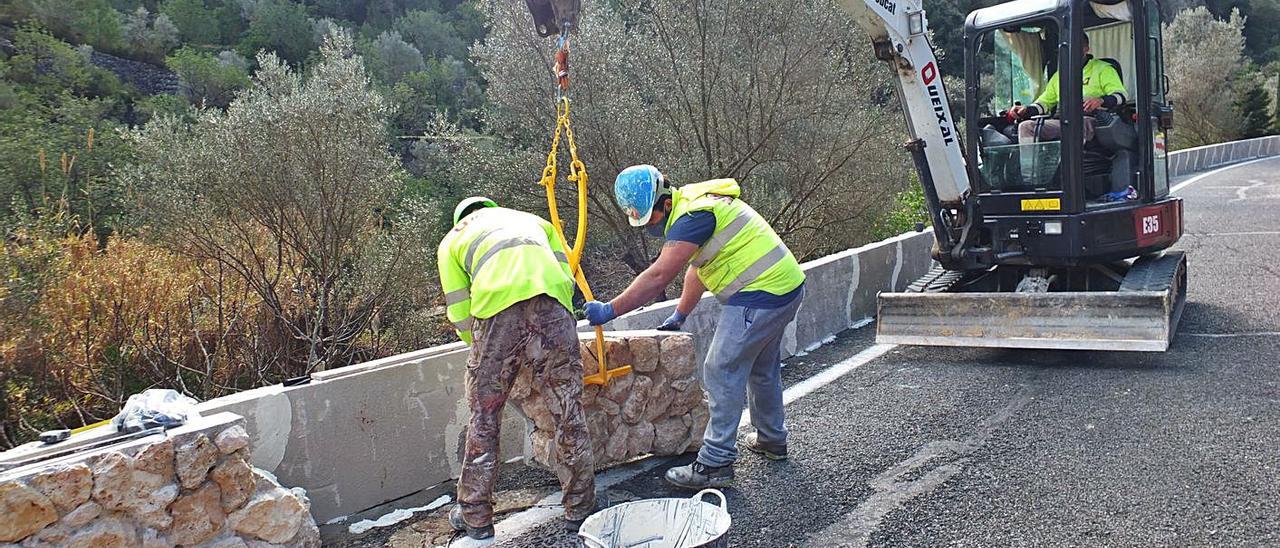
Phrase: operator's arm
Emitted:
{"points": [[691, 293], [1112, 87], [457, 290], [649, 284], [1047, 99]]}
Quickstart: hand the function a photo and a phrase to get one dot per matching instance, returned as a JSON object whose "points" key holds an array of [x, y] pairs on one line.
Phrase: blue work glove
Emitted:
{"points": [[598, 313], [673, 322]]}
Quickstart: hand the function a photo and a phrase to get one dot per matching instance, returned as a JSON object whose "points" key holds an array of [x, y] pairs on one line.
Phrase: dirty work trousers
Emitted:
{"points": [[540, 334], [744, 368]]}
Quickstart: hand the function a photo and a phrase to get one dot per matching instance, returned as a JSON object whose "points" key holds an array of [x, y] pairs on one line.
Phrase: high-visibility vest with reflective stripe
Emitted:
{"points": [[496, 257], [744, 253]]}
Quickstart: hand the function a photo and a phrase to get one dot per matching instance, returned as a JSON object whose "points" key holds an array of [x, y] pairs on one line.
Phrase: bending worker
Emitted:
{"points": [[508, 286], [731, 250]]}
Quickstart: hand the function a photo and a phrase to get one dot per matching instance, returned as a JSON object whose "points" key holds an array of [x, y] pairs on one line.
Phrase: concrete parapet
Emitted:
{"points": [[853, 278], [1192, 160]]}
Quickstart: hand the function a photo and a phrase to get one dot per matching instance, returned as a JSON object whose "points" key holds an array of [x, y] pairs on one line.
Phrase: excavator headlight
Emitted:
{"points": [[1053, 227], [915, 23]]}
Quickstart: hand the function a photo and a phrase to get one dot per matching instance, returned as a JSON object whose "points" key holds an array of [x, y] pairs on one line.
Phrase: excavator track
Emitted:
{"points": [[1141, 315], [937, 280]]}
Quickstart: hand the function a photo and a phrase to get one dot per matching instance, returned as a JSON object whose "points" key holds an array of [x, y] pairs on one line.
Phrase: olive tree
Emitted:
{"points": [[1203, 57], [289, 188]]}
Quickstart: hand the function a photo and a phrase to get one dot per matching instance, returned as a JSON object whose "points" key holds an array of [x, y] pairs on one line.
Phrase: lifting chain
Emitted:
{"points": [[577, 174]]}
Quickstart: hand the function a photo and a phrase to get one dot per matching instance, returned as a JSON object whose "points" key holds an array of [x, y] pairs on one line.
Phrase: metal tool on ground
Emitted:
{"points": [[577, 174], [660, 523]]}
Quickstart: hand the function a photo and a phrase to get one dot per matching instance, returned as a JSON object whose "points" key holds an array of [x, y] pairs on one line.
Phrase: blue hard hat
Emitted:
{"points": [[636, 190]]}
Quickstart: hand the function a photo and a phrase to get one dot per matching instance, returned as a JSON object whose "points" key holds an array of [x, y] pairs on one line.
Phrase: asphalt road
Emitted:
{"points": [[986, 447]]}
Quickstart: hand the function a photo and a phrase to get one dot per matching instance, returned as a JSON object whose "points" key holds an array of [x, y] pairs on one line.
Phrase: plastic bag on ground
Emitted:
{"points": [[155, 407]]}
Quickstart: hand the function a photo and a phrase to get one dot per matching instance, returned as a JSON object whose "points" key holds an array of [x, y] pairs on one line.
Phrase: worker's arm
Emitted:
{"points": [[691, 293], [1112, 87], [650, 283], [1047, 99], [457, 291], [689, 297]]}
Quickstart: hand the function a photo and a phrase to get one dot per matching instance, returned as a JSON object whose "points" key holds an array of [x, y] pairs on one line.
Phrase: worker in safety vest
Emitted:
{"points": [[509, 290], [731, 251], [1102, 89]]}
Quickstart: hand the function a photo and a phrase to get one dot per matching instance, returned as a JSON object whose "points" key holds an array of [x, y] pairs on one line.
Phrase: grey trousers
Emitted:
{"points": [[744, 368]]}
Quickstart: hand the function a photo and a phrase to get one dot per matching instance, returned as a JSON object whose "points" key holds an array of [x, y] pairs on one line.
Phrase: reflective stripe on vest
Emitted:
{"points": [[752, 272], [454, 297], [501, 245], [720, 239], [465, 324]]}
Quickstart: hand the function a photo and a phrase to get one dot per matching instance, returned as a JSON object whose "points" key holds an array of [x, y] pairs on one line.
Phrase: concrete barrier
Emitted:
{"points": [[852, 277], [1192, 160], [359, 436]]}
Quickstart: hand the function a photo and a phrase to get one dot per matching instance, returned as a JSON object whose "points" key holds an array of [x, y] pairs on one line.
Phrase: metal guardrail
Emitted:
{"points": [[1192, 160]]}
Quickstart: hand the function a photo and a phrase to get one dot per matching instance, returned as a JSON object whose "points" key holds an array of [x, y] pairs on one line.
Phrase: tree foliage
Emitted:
{"points": [[1202, 53], [704, 90], [289, 189], [207, 80]]}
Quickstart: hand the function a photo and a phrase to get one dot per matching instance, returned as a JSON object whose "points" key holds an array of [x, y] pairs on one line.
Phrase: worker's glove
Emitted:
{"points": [[673, 322], [598, 313]]}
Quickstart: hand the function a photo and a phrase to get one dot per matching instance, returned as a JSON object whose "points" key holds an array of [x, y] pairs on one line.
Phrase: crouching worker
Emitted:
{"points": [[508, 289], [731, 250]]}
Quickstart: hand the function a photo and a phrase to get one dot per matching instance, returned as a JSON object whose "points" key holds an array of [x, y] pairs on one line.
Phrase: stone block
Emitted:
{"points": [[197, 516], [234, 477], [23, 511], [232, 439], [195, 459], [105, 533], [636, 414], [66, 486]]}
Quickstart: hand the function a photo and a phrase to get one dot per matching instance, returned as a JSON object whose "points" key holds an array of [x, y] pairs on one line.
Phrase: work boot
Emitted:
{"points": [[458, 524], [700, 476], [572, 525], [771, 452]]}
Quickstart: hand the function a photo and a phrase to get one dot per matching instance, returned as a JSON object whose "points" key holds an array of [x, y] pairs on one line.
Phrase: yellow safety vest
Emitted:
{"points": [[1098, 79], [496, 257], [744, 253]]}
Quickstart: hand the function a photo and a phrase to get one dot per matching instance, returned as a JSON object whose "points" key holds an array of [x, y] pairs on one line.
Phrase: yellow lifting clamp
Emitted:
{"points": [[577, 174]]}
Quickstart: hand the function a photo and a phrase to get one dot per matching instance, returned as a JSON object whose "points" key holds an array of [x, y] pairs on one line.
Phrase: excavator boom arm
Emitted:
{"points": [[898, 31]]}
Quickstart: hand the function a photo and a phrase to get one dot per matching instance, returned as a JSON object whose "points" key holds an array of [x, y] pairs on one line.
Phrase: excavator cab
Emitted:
{"points": [[1069, 187], [1068, 213]]}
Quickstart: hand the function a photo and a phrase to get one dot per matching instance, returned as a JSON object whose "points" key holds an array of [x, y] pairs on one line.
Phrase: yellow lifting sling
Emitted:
{"points": [[577, 174]]}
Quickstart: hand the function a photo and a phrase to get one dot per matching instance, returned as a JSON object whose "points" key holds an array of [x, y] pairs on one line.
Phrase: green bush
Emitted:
{"points": [[206, 80]]}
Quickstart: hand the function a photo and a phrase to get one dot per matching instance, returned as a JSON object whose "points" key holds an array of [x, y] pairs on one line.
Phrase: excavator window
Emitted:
{"points": [[1013, 69]]}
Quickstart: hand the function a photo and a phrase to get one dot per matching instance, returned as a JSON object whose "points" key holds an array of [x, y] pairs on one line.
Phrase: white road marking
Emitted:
{"points": [[947, 458], [1201, 176], [1254, 233]]}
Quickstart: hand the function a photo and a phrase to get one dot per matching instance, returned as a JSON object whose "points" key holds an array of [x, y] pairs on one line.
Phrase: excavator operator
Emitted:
{"points": [[1103, 88]]}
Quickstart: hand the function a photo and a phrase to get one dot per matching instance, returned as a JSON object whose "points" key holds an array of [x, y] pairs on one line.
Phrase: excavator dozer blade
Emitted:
{"points": [[1141, 316]]}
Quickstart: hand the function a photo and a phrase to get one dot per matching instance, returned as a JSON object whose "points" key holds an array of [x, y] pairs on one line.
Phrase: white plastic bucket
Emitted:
{"points": [[660, 523]]}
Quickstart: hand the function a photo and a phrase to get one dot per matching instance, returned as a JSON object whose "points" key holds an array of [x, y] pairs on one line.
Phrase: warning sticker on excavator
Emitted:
{"points": [[1042, 204]]}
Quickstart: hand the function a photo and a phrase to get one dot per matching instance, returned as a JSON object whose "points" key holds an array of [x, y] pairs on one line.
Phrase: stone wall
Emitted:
{"points": [[659, 408], [191, 487]]}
